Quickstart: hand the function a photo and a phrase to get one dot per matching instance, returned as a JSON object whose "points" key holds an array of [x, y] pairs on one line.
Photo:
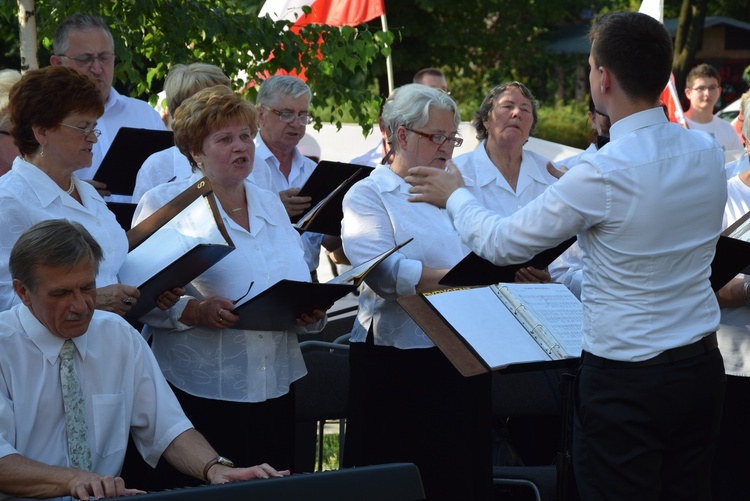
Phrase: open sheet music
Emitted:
{"points": [[487, 328]]}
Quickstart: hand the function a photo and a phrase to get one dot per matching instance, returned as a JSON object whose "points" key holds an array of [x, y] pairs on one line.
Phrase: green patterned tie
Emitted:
{"points": [[75, 410]]}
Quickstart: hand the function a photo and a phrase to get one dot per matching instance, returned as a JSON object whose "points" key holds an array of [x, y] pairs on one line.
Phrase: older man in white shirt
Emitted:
{"points": [[52, 444], [83, 42]]}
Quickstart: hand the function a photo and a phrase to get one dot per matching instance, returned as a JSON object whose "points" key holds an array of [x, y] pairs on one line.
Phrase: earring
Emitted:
{"points": [[42, 152]]}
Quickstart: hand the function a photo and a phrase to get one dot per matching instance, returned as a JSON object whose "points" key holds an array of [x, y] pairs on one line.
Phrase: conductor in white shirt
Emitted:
{"points": [[647, 209], [83, 42], [54, 265]]}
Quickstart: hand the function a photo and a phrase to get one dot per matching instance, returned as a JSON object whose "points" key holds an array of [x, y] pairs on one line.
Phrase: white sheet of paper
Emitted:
{"points": [[194, 225]]}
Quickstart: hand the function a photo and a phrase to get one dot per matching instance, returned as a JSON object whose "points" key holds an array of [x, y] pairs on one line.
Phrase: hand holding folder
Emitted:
{"points": [[278, 307]]}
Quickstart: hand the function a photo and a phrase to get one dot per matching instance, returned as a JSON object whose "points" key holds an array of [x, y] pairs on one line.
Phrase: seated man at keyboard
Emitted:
{"points": [[74, 381]]}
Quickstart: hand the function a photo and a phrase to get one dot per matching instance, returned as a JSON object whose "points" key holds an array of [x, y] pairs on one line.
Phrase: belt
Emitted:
{"points": [[701, 347]]}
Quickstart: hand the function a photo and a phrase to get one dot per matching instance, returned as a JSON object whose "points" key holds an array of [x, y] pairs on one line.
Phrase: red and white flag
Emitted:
{"points": [[655, 9], [330, 12]]}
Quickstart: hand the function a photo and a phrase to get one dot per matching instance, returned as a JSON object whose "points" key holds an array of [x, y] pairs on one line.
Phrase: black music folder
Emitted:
{"points": [[174, 245], [482, 329], [732, 253], [278, 307], [326, 178], [130, 148], [475, 270]]}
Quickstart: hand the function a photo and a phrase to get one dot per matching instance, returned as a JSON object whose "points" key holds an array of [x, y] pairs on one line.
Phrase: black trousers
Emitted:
{"points": [[414, 406], [648, 432]]}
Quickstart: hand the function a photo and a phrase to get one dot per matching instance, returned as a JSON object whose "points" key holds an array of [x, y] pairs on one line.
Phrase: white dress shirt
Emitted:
{"points": [[122, 387], [377, 216], [229, 364], [29, 196], [372, 158], [647, 209], [169, 165], [120, 111], [302, 168], [734, 331]]}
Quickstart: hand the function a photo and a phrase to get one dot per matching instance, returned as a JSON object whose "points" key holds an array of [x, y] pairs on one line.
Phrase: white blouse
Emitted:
{"points": [[231, 364], [484, 180], [377, 216], [29, 196]]}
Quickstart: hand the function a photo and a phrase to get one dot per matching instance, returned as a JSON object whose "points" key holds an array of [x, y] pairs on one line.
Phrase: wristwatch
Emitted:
{"points": [[218, 459]]}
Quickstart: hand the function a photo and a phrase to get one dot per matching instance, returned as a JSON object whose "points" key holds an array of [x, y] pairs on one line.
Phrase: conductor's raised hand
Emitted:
{"points": [[554, 171], [432, 185], [293, 204]]}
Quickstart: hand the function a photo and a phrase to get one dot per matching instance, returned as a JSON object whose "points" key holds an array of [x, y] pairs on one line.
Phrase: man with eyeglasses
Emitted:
{"points": [[84, 42], [283, 105], [703, 90]]}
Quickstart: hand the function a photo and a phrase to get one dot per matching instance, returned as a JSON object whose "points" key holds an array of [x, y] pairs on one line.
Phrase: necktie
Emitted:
{"points": [[75, 410]]}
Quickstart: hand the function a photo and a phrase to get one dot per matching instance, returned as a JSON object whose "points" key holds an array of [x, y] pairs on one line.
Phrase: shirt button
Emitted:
{"points": [[260, 336], [263, 368], [267, 276]]}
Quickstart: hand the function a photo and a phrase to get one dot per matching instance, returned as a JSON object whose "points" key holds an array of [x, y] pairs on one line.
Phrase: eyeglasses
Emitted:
{"points": [[710, 88], [245, 294], [439, 138], [288, 117], [85, 131], [88, 59]]}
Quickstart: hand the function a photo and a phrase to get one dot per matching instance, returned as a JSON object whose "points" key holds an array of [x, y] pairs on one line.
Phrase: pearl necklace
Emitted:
{"points": [[69, 191]]}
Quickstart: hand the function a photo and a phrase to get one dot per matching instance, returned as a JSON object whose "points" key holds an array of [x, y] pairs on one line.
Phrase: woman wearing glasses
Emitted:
{"points": [[53, 112], [407, 402], [235, 385]]}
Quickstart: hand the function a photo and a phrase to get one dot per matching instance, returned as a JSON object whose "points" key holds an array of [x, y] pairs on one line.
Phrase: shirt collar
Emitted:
{"points": [[636, 121], [113, 100], [487, 172], [388, 181], [49, 344], [38, 181]]}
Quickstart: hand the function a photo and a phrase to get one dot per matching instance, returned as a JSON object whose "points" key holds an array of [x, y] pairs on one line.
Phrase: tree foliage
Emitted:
{"points": [[152, 35], [477, 43]]}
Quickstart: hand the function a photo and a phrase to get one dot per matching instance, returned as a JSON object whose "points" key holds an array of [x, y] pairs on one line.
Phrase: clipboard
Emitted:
{"points": [[130, 148]]}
